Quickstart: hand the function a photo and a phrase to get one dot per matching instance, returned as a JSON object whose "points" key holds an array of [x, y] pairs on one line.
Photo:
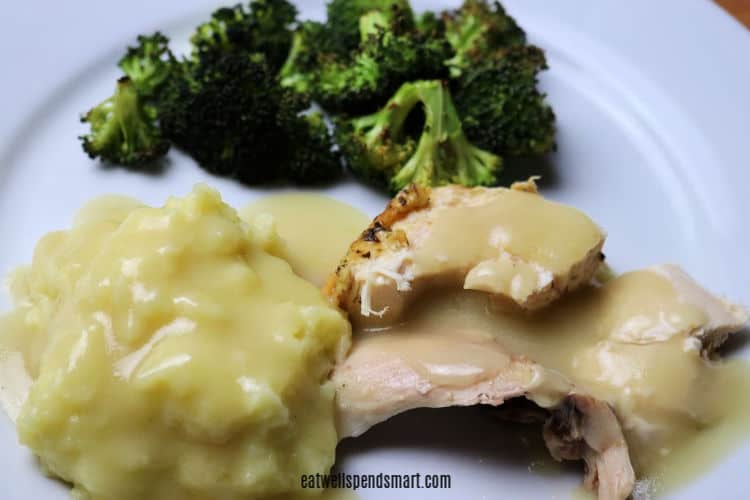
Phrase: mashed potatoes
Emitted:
{"points": [[172, 357]]}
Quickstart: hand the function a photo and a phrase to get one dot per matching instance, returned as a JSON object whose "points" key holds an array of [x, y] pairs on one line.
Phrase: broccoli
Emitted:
{"points": [[265, 27], [500, 107], [352, 87], [123, 129], [430, 99], [343, 21], [382, 149], [430, 25], [392, 51], [229, 112], [299, 69], [311, 160], [478, 29], [315, 43], [148, 64]]}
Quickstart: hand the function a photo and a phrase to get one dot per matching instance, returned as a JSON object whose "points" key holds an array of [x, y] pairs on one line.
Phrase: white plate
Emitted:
{"points": [[653, 100]]}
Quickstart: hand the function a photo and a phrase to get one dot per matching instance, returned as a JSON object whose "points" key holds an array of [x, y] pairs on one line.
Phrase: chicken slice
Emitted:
{"points": [[721, 317], [586, 428], [388, 373], [636, 342], [620, 358], [509, 242]]}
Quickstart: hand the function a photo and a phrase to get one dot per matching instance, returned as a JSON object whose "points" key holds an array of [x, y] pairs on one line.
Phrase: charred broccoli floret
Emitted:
{"points": [[430, 99], [392, 51], [383, 148], [478, 29], [315, 43], [343, 21], [500, 106], [148, 64], [229, 112], [265, 27], [299, 71], [311, 160], [124, 129], [430, 25]]}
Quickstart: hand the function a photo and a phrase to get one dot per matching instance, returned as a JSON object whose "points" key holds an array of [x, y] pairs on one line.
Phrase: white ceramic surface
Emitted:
{"points": [[653, 100]]}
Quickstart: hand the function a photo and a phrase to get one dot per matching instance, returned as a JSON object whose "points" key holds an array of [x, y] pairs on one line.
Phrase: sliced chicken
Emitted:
{"points": [[585, 428], [721, 317], [388, 373], [509, 242], [461, 296], [635, 343]]}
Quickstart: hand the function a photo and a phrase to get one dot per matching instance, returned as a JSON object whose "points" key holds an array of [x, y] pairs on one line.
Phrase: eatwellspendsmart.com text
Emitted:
{"points": [[376, 481]]}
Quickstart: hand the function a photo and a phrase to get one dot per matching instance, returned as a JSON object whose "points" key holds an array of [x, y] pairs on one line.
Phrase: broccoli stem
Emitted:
{"points": [[123, 129], [380, 149], [443, 153], [438, 126], [389, 122], [290, 74]]}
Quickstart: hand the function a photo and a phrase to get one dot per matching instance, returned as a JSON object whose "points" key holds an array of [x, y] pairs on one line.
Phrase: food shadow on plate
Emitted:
{"points": [[521, 168], [155, 168], [475, 434], [271, 185], [55, 482], [736, 345]]}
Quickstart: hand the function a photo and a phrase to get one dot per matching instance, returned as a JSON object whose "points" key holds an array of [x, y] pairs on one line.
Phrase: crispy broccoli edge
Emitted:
{"points": [[123, 129], [379, 150]]}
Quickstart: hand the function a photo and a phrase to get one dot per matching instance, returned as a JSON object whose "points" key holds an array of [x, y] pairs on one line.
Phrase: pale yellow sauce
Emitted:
{"points": [[619, 342], [133, 377], [625, 343], [171, 356], [315, 231], [549, 234], [512, 242], [509, 242]]}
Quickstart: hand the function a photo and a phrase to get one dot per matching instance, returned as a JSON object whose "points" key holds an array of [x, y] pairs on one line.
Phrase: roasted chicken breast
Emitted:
{"points": [[463, 296], [386, 374], [509, 242]]}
